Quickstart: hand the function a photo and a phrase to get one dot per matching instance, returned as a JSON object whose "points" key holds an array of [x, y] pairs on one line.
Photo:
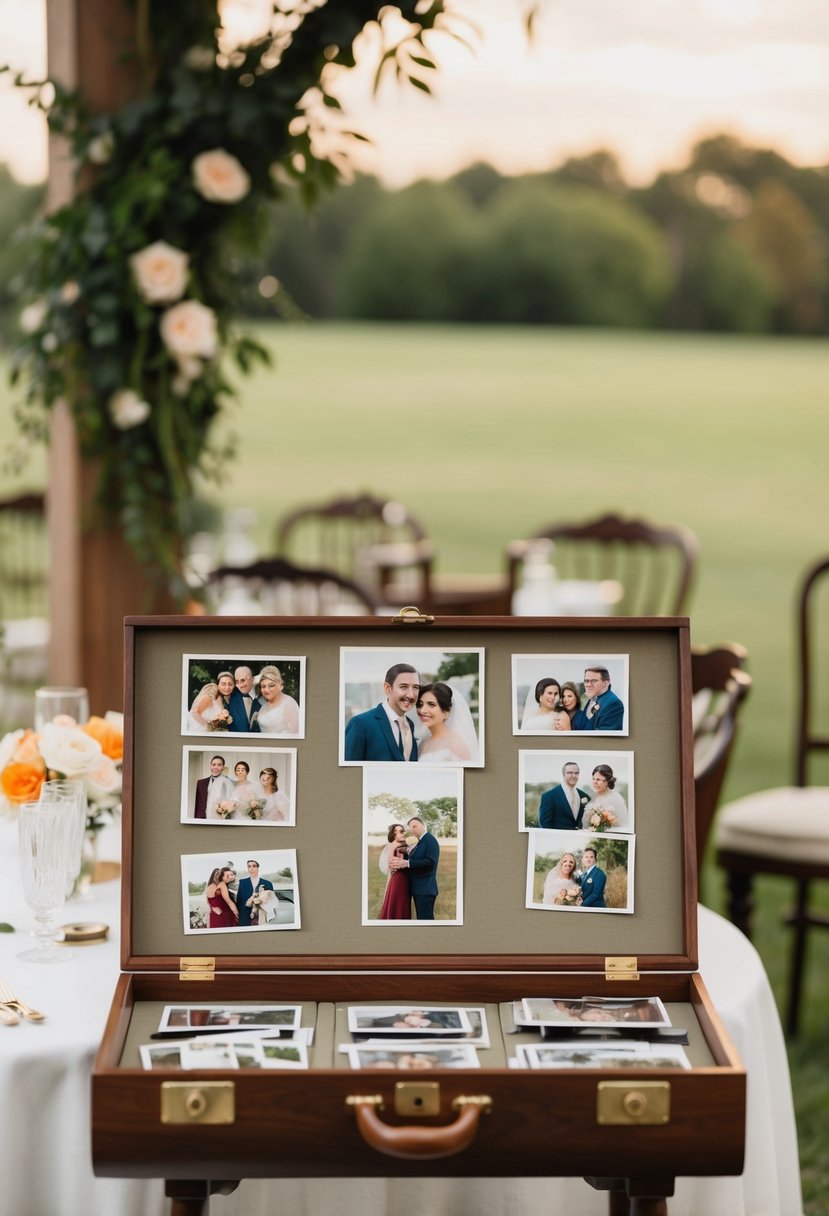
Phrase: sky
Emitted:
{"points": [[645, 79]]}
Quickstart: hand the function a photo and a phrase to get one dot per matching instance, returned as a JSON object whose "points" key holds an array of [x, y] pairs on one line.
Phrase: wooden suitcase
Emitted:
{"points": [[628, 1131]]}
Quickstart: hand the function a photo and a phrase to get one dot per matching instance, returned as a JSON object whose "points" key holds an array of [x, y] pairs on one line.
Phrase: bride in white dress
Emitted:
{"points": [[605, 798], [209, 705], [277, 805], [448, 719], [560, 879], [543, 710], [278, 713]]}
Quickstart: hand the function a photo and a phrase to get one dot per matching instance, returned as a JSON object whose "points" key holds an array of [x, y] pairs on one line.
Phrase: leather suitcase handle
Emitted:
{"points": [[419, 1143]]}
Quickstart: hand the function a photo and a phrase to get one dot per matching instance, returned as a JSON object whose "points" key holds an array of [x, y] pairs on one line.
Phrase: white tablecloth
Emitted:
{"points": [[44, 1098]]}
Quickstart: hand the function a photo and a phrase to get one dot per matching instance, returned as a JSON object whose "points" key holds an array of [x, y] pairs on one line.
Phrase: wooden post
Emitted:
{"points": [[94, 578]]}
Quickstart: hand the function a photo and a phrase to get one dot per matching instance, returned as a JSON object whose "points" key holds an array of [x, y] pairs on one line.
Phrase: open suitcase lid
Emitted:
{"points": [[498, 931]]}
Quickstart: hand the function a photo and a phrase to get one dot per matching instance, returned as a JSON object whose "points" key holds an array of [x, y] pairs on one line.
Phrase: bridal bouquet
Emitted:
{"points": [[222, 721], [255, 808], [226, 809], [569, 897], [600, 820], [90, 752]]}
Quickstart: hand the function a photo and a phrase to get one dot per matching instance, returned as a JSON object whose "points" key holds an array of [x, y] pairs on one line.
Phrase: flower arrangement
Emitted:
{"points": [[226, 809], [90, 752], [600, 820], [134, 284], [222, 721], [255, 808], [569, 897]]}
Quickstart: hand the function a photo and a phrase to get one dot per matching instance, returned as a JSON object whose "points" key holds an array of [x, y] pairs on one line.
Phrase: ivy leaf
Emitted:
{"points": [[6, 928]]}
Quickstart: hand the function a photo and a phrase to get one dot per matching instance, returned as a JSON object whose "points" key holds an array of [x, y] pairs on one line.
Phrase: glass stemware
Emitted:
{"points": [[72, 796], [47, 836], [55, 700]]}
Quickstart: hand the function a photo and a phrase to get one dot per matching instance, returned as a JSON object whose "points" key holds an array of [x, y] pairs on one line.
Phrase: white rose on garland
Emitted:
{"points": [[126, 409], [189, 330], [160, 272], [69, 750], [101, 148], [219, 177]]}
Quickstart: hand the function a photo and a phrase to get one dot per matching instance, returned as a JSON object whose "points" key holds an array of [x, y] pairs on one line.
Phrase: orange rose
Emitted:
{"points": [[27, 750], [21, 782], [109, 736]]}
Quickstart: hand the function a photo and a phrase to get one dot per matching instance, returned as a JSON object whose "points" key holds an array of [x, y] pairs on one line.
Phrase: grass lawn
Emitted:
{"points": [[489, 433], [446, 904]]}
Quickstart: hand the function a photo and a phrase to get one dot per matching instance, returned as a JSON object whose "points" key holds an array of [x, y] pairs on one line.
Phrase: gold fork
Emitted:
{"points": [[8, 1016], [13, 1005]]}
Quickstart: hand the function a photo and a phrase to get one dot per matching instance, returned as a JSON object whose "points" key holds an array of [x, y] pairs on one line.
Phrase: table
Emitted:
{"points": [[44, 1083]]}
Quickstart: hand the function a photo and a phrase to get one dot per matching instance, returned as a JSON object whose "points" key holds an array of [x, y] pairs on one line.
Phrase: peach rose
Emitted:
{"points": [[28, 748], [110, 737], [21, 782], [189, 330], [219, 177], [160, 273]]}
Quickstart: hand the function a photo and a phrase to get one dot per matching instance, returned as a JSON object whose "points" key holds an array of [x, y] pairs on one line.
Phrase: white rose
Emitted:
{"points": [[189, 329], [102, 780], [126, 409], [33, 316], [219, 177], [101, 148], [69, 750], [8, 746], [160, 273]]}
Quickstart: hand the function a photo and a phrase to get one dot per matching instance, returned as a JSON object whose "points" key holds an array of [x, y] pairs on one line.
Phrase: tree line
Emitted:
{"points": [[736, 240]]}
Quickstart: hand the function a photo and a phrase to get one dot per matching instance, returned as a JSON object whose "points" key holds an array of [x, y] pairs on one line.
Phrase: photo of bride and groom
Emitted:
{"points": [[579, 871], [426, 708], [257, 695], [240, 893], [412, 843], [239, 786], [559, 694]]}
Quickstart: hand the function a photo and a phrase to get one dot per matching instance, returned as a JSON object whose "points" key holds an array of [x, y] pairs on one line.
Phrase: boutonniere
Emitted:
{"points": [[583, 799]]}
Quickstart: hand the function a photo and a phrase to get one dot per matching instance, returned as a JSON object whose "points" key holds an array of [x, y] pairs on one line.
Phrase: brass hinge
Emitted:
{"points": [[621, 967], [195, 968], [410, 615]]}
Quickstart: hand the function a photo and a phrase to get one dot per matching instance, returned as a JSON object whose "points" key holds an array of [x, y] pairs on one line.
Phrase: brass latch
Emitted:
{"points": [[410, 615], [198, 1102], [417, 1098], [621, 967], [194, 968], [646, 1102]]}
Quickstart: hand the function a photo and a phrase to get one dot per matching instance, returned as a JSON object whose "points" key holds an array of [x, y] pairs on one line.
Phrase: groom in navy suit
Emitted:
{"points": [[242, 704], [386, 732], [604, 710], [246, 890], [422, 864], [563, 805], [592, 881]]}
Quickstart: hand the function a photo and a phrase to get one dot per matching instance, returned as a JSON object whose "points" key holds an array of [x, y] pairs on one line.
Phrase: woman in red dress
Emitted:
{"points": [[223, 912], [397, 901]]}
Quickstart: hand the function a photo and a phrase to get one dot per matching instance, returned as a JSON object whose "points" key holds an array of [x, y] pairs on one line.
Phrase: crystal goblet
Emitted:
{"points": [[58, 700], [47, 834], [72, 796]]}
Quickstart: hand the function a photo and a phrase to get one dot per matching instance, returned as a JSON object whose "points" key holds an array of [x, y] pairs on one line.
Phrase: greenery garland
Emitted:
{"points": [[134, 284]]}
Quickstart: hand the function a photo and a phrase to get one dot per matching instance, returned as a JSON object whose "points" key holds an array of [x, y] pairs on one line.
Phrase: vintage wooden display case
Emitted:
{"points": [[628, 1131]]}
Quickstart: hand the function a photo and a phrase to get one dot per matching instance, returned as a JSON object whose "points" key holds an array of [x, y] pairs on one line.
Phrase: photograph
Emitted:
{"points": [[413, 1057], [603, 1055], [418, 705], [631, 1012], [176, 1018], [160, 1055], [238, 786], [412, 846], [409, 1021], [207, 1053], [243, 695], [573, 790], [579, 871], [559, 694], [240, 892]]}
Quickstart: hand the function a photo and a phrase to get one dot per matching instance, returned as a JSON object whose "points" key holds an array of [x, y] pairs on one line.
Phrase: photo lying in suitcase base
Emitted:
{"points": [[236, 892], [578, 872]]}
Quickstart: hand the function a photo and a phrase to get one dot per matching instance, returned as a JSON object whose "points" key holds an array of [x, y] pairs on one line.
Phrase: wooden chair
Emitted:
{"points": [[23, 557], [275, 587], [654, 565], [785, 831], [374, 542], [720, 686]]}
